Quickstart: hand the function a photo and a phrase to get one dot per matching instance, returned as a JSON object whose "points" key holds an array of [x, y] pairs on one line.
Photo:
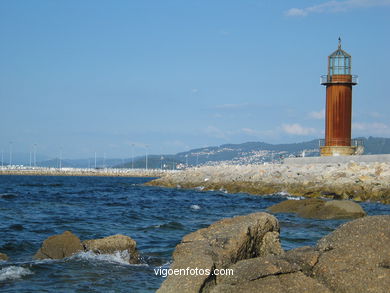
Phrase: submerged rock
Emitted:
{"points": [[320, 209], [67, 244], [219, 246], [3, 256], [59, 246], [112, 244]]}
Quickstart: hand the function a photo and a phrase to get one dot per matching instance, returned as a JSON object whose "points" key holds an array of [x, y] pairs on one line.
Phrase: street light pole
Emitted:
{"points": [[146, 158], [60, 158], [10, 153], [132, 156], [95, 160], [35, 154]]}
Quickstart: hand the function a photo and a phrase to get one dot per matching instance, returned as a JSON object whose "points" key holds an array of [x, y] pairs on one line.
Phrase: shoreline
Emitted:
{"points": [[107, 172], [356, 181]]}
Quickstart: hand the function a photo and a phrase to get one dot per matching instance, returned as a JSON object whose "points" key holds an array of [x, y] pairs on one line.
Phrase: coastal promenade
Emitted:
{"points": [[108, 172], [353, 180]]}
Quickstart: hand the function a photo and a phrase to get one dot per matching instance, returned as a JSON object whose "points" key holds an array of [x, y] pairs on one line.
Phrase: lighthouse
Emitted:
{"points": [[338, 114]]}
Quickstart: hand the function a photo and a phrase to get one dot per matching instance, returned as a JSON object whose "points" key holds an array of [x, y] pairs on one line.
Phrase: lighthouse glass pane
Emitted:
{"points": [[339, 64]]}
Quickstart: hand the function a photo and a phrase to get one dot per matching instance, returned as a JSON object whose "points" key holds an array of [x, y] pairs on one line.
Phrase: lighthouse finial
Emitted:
{"points": [[339, 43]]}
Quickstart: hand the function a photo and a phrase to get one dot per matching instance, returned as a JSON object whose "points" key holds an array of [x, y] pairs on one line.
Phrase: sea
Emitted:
{"points": [[33, 208]]}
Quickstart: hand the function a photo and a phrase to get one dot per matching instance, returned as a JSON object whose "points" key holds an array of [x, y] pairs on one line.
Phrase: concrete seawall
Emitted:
{"points": [[108, 172], [338, 159]]}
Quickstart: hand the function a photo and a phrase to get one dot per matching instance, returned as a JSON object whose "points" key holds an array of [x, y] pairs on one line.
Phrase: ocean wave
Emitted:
{"points": [[282, 193], [13, 273], [119, 257], [8, 195], [195, 207], [295, 197]]}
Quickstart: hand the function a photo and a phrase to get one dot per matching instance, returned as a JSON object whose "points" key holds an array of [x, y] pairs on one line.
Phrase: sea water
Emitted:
{"points": [[33, 208]]}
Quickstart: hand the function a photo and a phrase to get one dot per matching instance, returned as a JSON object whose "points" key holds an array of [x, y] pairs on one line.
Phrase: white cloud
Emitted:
{"points": [[297, 129], [232, 106], [336, 6], [375, 126], [375, 114], [259, 133], [317, 115], [216, 132]]}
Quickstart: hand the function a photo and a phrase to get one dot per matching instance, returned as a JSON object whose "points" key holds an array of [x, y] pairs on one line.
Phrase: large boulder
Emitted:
{"points": [[316, 208], [271, 274], [112, 244], [356, 257], [3, 256], [59, 246], [219, 246]]}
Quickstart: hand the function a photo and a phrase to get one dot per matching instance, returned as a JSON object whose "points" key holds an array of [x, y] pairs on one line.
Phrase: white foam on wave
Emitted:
{"points": [[13, 272], [295, 197], [118, 257], [195, 207], [283, 193]]}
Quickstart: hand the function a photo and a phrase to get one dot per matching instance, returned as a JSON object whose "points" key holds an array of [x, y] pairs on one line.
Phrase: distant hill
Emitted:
{"points": [[252, 153], [244, 153], [376, 145]]}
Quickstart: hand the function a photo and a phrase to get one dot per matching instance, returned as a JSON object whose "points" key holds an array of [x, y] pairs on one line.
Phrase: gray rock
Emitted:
{"points": [[320, 209], [280, 283], [3, 256], [356, 257], [112, 244], [59, 246], [220, 245]]}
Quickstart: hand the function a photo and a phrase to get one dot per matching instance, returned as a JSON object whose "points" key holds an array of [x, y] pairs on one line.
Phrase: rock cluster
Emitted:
{"points": [[358, 181], [67, 244], [354, 258], [316, 208]]}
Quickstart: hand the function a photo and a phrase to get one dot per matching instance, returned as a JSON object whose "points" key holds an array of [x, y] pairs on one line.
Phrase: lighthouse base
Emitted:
{"points": [[338, 150]]}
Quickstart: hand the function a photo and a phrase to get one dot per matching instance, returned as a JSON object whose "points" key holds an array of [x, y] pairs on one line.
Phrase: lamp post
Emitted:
{"points": [[60, 158], [132, 156], [10, 153], [146, 157], [35, 154]]}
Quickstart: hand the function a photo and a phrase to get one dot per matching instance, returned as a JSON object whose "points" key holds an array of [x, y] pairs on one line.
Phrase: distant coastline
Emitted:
{"points": [[104, 172]]}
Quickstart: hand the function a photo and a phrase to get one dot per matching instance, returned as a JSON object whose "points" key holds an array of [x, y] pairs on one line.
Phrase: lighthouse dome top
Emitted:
{"points": [[339, 62]]}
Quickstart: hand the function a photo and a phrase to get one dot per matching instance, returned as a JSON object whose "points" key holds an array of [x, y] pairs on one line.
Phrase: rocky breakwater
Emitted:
{"points": [[354, 258], [358, 181], [68, 244]]}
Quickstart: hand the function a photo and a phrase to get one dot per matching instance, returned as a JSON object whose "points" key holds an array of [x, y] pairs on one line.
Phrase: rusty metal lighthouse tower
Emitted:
{"points": [[338, 114]]}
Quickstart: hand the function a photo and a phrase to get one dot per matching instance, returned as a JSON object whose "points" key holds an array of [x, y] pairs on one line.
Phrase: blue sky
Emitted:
{"points": [[86, 76]]}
